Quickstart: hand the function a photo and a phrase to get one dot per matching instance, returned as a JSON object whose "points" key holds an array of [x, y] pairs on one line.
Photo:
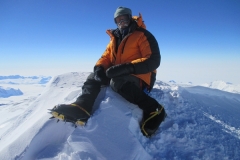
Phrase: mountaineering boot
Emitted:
{"points": [[151, 121], [153, 112], [79, 111], [70, 113]]}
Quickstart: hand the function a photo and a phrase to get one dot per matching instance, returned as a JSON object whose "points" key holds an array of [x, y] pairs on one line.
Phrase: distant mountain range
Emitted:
{"points": [[8, 84], [220, 85], [17, 79], [224, 86], [7, 92]]}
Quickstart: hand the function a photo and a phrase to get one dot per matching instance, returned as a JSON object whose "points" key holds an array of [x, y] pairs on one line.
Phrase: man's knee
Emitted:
{"points": [[91, 84], [90, 76], [118, 82]]}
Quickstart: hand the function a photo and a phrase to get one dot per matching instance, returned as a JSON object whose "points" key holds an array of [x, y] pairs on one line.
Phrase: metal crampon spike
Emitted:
{"points": [[52, 117], [80, 123], [58, 115], [74, 125]]}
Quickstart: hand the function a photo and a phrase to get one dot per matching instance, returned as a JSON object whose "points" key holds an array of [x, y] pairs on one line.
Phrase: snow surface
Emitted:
{"points": [[202, 123]]}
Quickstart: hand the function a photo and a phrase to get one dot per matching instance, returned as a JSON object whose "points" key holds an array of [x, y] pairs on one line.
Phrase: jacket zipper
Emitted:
{"points": [[124, 45], [126, 37]]}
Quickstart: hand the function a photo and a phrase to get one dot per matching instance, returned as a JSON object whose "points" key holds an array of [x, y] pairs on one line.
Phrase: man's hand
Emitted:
{"points": [[100, 75], [120, 70]]}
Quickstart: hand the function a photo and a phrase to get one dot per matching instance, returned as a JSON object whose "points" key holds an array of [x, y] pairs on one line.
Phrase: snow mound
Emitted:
{"points": [[8, 92], [202, 123]]}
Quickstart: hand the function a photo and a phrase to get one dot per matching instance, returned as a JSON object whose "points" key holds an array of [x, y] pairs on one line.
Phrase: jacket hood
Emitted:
{"points": [[139, 21]]}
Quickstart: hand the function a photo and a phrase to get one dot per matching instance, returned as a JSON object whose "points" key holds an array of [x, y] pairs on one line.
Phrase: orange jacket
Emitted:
{"points": [[138, 47]]}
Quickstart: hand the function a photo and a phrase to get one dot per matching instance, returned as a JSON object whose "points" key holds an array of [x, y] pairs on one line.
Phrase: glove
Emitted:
{"points": [[100, 75], [120, 70]]}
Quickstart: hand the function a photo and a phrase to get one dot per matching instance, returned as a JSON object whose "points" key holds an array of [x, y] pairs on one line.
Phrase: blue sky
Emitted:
{"points": [[199, 39]]}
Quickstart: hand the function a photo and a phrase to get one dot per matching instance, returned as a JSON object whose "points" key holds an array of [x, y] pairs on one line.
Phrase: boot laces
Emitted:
{"points": [[153, 114]]}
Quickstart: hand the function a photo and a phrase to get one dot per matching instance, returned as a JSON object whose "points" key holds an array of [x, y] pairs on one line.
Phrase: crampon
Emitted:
{"points": [[70, 113]]}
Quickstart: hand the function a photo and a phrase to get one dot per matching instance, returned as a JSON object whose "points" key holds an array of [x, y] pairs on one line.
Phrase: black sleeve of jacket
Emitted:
{"points": [[153, 62]]}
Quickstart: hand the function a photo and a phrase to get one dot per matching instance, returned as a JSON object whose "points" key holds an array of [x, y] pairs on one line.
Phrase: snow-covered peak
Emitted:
{"points": [[172, 81]]}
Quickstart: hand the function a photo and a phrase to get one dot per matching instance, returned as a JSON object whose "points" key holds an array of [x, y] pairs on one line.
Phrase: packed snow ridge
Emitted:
{"points": [[202, 123]]}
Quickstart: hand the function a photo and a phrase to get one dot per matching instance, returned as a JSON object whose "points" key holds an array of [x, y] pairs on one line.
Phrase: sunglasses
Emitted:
{"points": [[122, 20]]}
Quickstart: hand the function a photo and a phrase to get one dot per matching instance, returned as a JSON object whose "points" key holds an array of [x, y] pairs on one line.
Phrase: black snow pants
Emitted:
{"points": [[127, 86]]}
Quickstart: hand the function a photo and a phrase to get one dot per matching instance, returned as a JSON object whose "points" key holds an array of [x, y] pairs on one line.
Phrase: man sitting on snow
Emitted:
{"points": [[129, 66]]}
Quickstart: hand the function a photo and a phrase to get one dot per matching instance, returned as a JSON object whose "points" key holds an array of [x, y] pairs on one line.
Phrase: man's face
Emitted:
{"points": [[122, 21]]}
